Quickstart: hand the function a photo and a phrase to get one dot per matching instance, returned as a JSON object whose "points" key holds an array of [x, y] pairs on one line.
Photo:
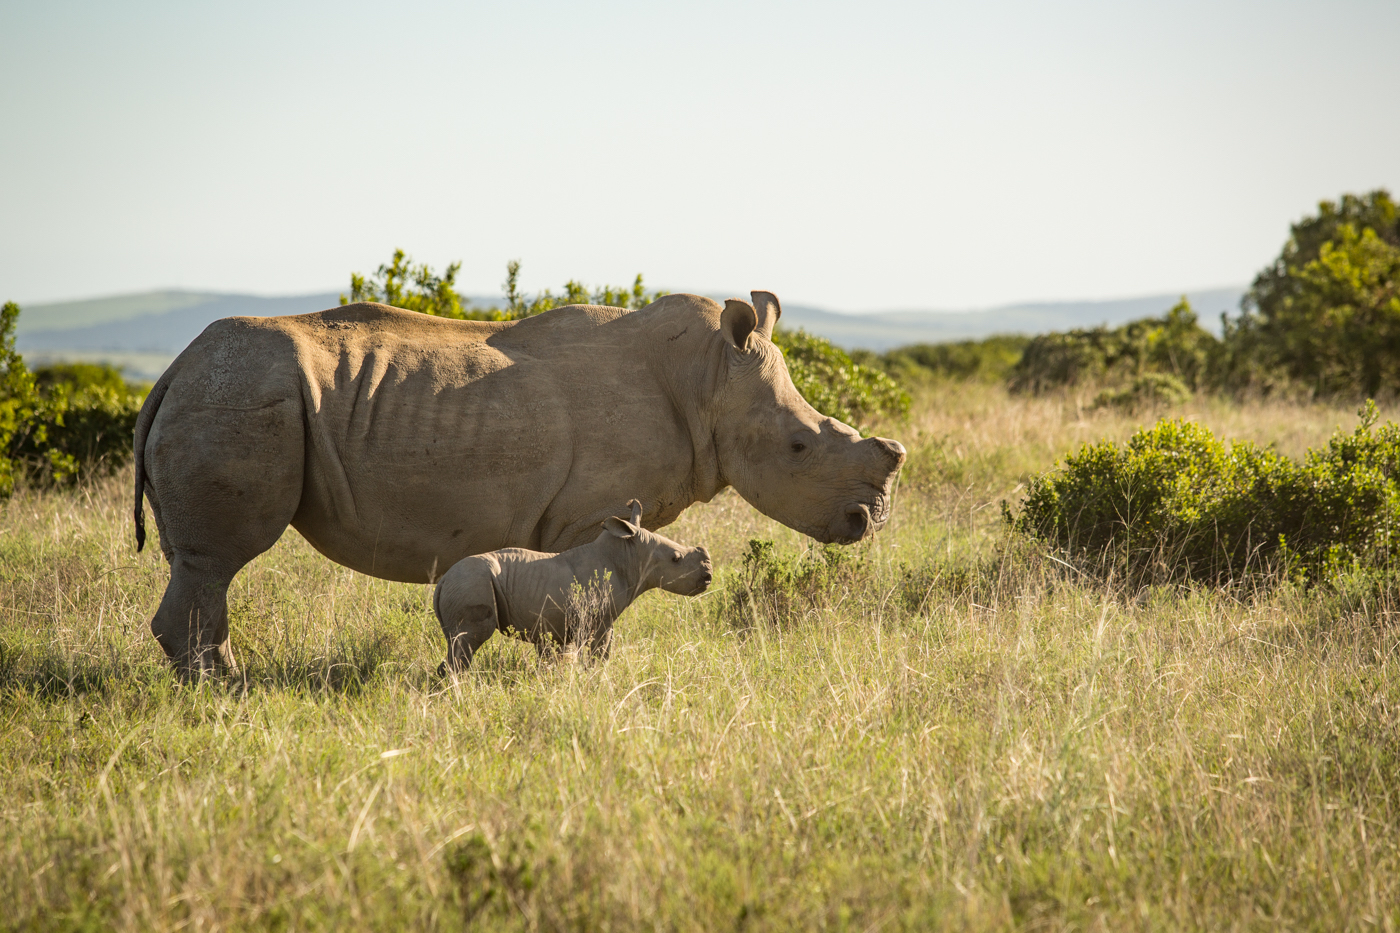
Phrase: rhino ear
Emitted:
{"points": [[619, 527], [737, 322], [636, 508], [765, 305]]}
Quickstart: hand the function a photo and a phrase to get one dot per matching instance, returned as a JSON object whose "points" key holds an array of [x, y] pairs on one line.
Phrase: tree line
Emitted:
{"points": [[1322, 320]]}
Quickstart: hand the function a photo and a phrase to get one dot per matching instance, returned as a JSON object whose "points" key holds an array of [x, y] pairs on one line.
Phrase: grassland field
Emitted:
{"points": [[944, 729]]}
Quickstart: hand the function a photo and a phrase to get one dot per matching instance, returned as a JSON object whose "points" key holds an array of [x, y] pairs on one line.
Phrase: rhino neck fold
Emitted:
{"points": [[692, 373]]}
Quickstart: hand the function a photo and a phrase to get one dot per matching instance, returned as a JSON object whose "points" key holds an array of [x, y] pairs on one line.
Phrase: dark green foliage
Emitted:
{"points": [[987, 360], [17, 393], [1326, 314], [82, 381], [1277, 283], [417, 288], [1150, 390], [1174, 345], [64, 422], [1177, 503], [836, 385], [777, 587], [574, 293], [82, 423]]}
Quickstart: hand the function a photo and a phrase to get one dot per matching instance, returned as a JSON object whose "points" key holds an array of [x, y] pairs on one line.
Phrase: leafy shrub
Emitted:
{"points": [[1150, 390], [574, 293], [1174, 345], [776, 587], [64, 422], [988, 360], [82, 425], [17, 394], [417, 288], [836, 385], [1177, 503]]}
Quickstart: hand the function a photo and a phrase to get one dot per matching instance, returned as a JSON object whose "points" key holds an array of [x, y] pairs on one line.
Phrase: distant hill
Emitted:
{"points": [[156, 322], [888, 329], [144, 332]]}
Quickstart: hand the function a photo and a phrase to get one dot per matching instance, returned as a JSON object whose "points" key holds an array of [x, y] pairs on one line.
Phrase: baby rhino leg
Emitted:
{"points": [[465, 603]]}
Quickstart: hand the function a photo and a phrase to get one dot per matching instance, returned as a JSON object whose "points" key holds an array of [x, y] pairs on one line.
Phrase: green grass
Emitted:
{"points": [[946, 731]]}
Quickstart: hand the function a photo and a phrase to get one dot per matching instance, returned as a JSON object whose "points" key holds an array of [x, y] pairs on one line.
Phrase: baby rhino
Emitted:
{"points": [[571, 598]]}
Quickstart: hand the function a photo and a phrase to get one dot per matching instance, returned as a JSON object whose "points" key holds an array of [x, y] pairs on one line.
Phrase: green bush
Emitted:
{"points": [[417, 288], [61, 423], [1150, 390], [836, 385], [778, 587], [1177, 503], [82, 425], [17, 394], [1173, 345], [987, 360]]}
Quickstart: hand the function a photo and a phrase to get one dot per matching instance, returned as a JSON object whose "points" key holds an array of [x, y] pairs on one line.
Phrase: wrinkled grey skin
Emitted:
{"points": [[566, 599], [398, 443]]}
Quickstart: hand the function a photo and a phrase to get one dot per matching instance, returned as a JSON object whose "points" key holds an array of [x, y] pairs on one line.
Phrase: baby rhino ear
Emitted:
{"points": [[619, 527]]}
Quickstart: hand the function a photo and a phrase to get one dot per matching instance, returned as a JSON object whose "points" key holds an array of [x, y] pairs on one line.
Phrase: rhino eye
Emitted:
{"points": [[675, 558], [798, 447]]}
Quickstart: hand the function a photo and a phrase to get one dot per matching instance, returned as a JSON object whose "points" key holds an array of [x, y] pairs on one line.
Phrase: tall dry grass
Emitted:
{"points": [[946, 731]]}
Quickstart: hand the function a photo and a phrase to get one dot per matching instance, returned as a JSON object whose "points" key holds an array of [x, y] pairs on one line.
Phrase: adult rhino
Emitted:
{"points": [[398, 443]]}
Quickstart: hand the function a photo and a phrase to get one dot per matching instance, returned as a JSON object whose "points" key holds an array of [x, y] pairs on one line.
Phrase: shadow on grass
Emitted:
{"points": [[349, 665]]}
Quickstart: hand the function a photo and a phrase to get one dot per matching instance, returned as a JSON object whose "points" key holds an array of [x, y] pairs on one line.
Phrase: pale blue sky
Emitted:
{"points": [[877, 155]]}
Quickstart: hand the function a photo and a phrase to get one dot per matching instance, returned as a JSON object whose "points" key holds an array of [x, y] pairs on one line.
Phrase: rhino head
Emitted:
{"points": [[788, 460], [657, 561]]}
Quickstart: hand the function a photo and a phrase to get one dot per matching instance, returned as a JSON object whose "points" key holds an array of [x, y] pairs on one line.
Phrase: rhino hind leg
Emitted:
{"points": [[223, 487], [191, 623], [465, 605]]}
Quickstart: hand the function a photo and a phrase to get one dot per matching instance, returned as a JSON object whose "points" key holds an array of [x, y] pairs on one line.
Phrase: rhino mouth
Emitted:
{"points": [[860, 520]]}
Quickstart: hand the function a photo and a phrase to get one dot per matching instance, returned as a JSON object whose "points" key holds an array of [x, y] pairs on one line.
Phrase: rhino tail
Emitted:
{"points": [[143, 427]]}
